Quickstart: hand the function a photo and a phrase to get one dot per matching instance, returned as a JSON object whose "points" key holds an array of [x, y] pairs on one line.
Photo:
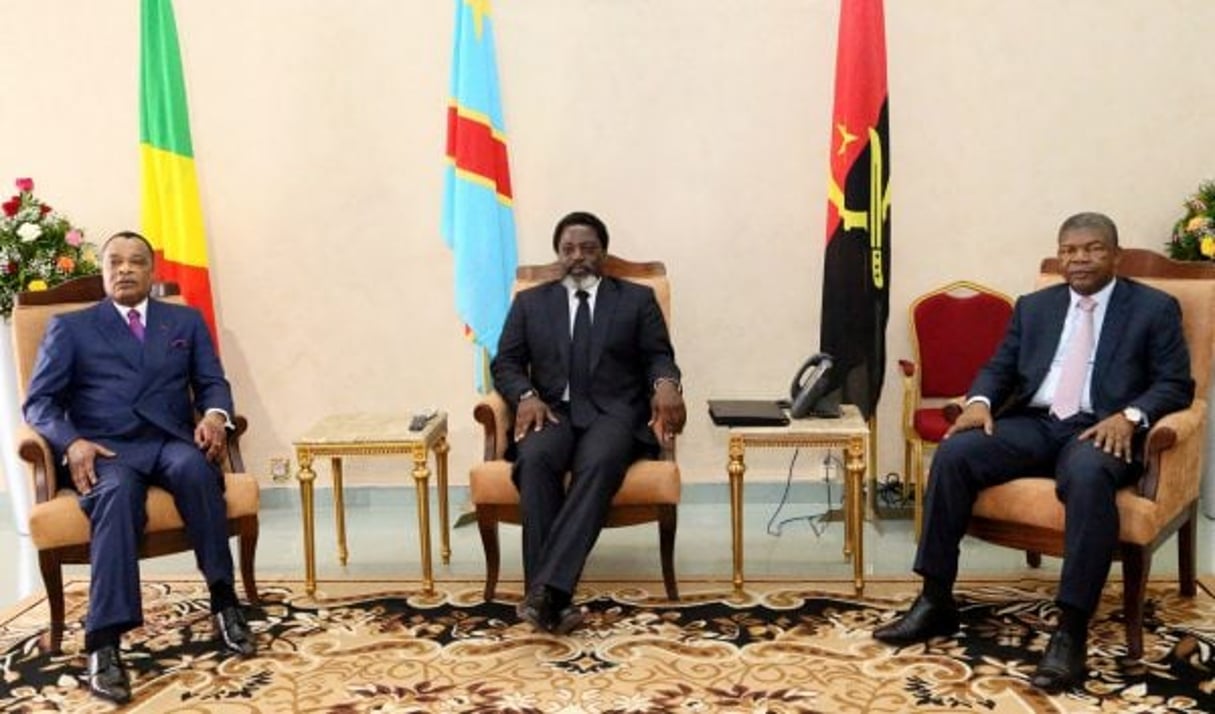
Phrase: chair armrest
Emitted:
{"points": [[911, 397], [233, 462], [953, 409], [1172, 453], [40, 458], [495, 417]]}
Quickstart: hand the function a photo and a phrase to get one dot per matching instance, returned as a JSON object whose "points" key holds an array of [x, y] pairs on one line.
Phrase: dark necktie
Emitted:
{"points": [[135, 324], [582, 409]]}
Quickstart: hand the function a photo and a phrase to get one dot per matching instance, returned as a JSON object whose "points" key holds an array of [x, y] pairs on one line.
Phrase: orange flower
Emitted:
{"points": [[65, 264]]}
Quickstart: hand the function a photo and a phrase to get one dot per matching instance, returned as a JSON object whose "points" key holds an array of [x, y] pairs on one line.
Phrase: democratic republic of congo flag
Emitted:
{"points": [[478, 218], [856, 267], [170, 212]]}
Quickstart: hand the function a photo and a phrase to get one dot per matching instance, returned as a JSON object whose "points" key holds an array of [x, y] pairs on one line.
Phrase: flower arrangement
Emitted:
{"points": [[1194, 234], [39, 248]]}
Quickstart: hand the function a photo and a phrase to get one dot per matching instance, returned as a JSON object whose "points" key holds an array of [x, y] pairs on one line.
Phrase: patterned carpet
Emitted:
{"points": [[787, 647]]}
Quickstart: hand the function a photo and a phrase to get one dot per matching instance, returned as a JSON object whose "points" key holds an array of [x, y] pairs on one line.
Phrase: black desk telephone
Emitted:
{"points": [[814, 391]]}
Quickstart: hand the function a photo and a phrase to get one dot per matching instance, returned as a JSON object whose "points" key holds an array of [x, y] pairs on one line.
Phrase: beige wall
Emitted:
{"points": [[697, 128]]}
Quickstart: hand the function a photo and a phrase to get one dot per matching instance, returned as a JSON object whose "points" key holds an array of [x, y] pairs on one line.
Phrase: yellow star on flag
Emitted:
{"points": [[845, 138]]}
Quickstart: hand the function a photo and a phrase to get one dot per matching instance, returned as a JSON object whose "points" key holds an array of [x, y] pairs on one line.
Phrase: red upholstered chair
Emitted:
{"points": [[955, 329]]}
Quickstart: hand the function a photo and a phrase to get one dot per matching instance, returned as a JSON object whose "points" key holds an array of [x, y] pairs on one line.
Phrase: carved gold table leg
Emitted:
{"points": [[306, 478], [856, 510], [339, 506], [736, 468], [421, 479], [441, 448]]}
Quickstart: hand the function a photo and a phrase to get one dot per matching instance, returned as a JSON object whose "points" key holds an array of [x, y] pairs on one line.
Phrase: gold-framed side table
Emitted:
{"points": [[343, 435], [849, 432]]}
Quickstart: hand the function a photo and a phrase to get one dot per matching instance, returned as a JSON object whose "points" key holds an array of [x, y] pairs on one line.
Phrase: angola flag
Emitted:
{"points": [[856, 267], [169, 210], [478, 213]]}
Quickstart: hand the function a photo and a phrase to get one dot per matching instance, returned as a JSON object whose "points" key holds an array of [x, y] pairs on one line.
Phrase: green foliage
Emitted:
{"points": [[1194, 235], [39, 248]]}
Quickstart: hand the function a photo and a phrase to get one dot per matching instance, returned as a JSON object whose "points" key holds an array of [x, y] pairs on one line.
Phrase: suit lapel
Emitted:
{"points": [[156, 337], [606, 300], [1054, 315], [116, 332], [557, 304], [1117, 313]]}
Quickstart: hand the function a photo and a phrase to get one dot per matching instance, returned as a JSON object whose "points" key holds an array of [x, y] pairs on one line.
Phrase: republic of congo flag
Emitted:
{"points": [[170, 212], [478, 218], [856, 267]]}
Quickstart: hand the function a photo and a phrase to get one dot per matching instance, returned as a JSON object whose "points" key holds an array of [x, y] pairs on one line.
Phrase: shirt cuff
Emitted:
{"points": [[978, 398]]}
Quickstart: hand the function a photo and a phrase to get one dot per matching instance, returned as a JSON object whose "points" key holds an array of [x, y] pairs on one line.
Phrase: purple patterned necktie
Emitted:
{"points": [[135, 324], [1075, 362]]}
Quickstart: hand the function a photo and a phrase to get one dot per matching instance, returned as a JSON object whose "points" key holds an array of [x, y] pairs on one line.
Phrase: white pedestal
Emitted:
{"points": [[15, 478]]}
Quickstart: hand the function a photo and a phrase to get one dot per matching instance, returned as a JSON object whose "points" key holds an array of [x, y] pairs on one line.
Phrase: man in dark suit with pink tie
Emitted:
{"points": [[587, 364], [115, 390], [1083, 370]]}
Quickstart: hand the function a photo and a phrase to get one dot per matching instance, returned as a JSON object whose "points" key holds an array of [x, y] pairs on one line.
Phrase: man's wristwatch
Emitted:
{"points": [[668, 380], [1134, 415]]}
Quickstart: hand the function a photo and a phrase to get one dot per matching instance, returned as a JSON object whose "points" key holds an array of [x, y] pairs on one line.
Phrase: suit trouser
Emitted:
{"points": [[117, 511], [561, 526], [1029, 443]]}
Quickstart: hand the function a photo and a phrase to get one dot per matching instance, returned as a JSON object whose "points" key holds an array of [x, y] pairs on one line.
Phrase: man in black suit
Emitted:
{"points": [[114, 391], [1084, 369], [588, 366]]}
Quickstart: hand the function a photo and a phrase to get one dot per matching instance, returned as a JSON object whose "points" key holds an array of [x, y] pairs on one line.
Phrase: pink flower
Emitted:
{"points": [[74, 238], [25, 185]]}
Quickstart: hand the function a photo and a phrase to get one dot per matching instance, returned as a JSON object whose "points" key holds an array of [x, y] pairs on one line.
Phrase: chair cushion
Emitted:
{"points": [[59, 521], [1032, 502], [646, 482], [930, 424]]}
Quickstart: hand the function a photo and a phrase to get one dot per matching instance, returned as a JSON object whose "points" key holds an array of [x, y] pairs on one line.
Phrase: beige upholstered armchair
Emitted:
{"points": [[651, 488], [58, 528], [1025, 514]]}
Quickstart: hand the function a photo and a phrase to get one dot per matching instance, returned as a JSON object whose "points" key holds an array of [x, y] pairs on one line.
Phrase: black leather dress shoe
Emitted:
{"points": [[534, 610], [566, 620], [233, 631], [107, 676], [1062, 667], [922, 622]]}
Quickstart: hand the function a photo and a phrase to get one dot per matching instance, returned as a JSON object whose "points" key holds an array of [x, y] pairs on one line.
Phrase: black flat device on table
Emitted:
{"points": [[747, 412]]}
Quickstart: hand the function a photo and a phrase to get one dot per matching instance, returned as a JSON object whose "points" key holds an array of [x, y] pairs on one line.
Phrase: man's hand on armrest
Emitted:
{"points": [[976, 415], [667, 411], [211, 434]]}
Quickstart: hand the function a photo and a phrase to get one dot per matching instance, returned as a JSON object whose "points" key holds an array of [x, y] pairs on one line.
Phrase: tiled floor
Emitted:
{"points": [[382, 539]]}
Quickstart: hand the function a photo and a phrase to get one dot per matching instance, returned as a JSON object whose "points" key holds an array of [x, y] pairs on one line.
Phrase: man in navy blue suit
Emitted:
{"points": [[1032, 410], [587, 364], [114, 390]]}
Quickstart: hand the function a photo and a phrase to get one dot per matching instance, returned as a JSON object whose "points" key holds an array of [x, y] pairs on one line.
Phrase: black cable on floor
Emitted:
{"points": [[815, 520]]}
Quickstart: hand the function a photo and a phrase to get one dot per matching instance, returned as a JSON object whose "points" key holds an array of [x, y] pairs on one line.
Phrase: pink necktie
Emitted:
{"points": [[1075, 362], [135, 324]]}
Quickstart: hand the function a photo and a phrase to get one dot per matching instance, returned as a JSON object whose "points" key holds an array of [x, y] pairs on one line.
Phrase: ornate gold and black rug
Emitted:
{"points": [[785, 647]]}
